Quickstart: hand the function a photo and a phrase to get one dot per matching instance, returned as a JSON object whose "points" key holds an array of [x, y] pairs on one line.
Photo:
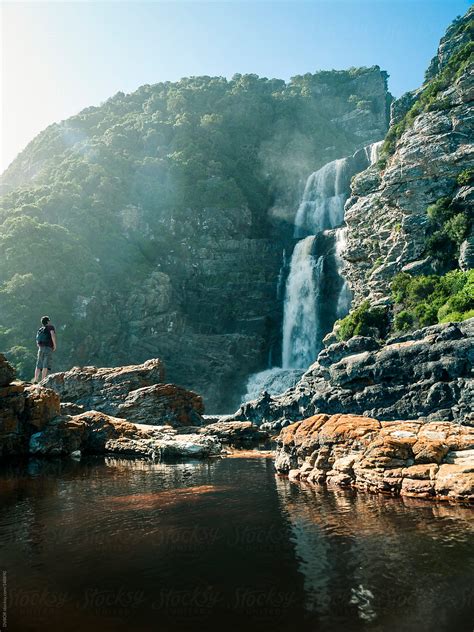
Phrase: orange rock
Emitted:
{"points": [[427, 451], [41, 405], [423, 460]]}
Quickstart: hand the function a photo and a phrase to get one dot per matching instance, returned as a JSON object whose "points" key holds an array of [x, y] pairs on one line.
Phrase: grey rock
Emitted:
{"points": [[424, 374]]}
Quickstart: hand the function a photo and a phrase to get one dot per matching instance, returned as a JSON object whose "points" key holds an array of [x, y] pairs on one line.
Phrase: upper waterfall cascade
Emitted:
{"points": [[316, 293]]}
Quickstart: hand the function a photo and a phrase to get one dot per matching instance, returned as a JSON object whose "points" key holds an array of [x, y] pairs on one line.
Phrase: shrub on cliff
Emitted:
{"points": [[429, 299], [363, 321], [448, 227]]}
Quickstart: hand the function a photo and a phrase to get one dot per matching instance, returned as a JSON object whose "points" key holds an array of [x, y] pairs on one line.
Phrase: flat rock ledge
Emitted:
{"points": [[94, 432], [432, 460]]}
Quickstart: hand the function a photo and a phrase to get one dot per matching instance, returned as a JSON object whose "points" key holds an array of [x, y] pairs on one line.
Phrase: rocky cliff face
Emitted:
{"points": [[386, 215]]}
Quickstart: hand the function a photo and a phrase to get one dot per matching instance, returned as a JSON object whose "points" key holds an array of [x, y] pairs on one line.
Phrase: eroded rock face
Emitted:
{"points": [[386, 216], [23, 409], [104, 388], [409, 458], [136, 393], [425, 374]]}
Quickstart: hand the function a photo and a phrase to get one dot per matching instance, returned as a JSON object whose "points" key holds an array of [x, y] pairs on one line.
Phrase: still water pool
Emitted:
{"points": [[112, 545]]}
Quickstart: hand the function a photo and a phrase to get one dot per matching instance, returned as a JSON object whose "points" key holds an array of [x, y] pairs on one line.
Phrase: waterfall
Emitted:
{"points": [[316, 293], [322, 206], [300, 321], [374, 152]]}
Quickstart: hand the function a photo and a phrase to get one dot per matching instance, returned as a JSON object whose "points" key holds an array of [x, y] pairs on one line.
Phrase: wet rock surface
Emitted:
{"points": [[433, 460], [424, 374], [97, 433]]}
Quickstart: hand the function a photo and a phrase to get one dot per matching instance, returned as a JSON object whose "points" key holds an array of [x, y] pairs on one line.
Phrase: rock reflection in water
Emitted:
{"points": [[380, 554]]}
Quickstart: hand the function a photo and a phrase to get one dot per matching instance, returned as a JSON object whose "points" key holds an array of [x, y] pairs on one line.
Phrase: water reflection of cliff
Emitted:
{"points": [[404, 564]]}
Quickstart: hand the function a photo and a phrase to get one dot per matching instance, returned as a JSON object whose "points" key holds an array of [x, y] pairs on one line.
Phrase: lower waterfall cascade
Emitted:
{"points": [[316, 293]]}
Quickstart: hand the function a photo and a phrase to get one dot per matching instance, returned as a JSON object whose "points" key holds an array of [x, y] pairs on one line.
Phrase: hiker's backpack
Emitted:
{"points": [[43, 337]]}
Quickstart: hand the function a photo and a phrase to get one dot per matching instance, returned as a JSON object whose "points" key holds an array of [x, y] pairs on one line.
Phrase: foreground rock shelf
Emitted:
{"points": [[33, 421], [432, 460]]}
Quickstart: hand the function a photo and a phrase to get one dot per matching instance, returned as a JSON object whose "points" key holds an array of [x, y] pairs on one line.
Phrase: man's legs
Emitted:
{"points": [[39, 364], [43, 363]]}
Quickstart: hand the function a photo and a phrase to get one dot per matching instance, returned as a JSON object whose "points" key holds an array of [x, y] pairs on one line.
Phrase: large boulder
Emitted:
{"points": [[136, 393], [104, 388], [41, 405], [409, 458], [23, 408], [162, 404]]}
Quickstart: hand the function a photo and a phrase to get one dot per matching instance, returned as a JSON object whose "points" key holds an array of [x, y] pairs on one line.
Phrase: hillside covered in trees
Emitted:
{"points": [[154, 225]]}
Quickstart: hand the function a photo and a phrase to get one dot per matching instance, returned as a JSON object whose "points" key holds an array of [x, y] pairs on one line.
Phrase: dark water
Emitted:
{"points": [[116, 545]]}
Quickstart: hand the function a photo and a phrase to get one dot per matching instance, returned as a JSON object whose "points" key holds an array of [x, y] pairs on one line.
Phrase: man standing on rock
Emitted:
{"points": [[46, 341]]}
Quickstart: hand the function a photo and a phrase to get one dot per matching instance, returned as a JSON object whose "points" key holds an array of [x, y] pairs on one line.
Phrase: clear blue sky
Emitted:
{"points": [[59, 57]]}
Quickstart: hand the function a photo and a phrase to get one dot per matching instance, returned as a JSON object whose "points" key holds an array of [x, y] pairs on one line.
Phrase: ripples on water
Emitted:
{"points": [[109, 544]]}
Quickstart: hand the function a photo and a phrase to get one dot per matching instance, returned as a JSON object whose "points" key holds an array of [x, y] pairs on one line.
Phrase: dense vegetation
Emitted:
{"points": [[96, 202], [364, 320], [418, 301], [427, 300]]}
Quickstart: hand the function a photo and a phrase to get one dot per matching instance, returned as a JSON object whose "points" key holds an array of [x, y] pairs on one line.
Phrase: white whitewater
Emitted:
{"points": [[274, 381], [322, 206], [373, 152], [299, 319], [345, 296]]}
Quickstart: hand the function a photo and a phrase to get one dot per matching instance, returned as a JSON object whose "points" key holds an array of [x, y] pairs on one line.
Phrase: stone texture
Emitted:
{"points": [[369, 455], [104, 388], [23, 408], [168, 418], [94, 432], [162, 404], [234, 432], [41, 405], [424, 374], [134, 392], [7, 372]]}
